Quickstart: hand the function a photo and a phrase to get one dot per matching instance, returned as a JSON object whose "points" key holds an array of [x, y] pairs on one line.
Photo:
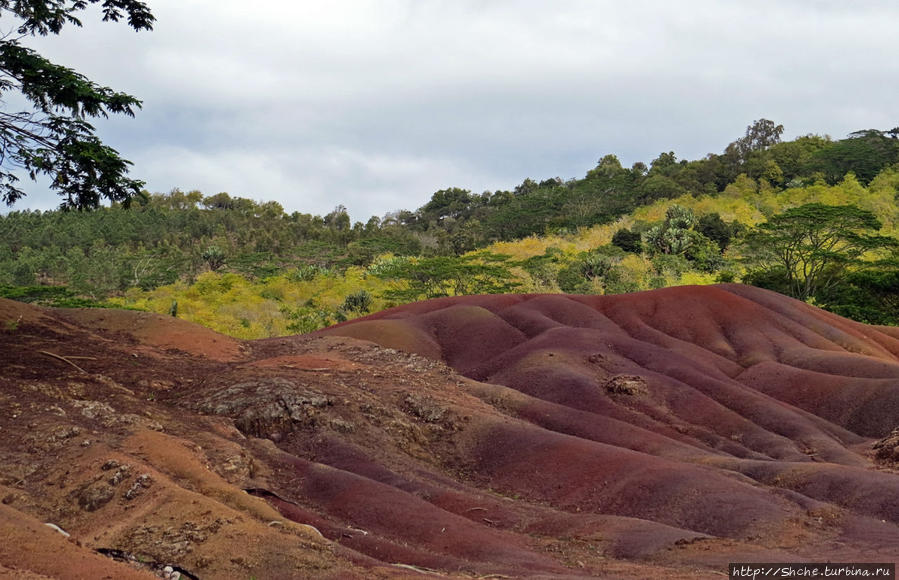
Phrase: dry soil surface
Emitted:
{"points": [[658, 434]]}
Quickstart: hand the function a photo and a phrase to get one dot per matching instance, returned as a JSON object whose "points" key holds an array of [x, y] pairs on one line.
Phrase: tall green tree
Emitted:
{"points": [[53, 137], [424, 278], [810, 247], [759, 136], [864, 153], [869, 295]]}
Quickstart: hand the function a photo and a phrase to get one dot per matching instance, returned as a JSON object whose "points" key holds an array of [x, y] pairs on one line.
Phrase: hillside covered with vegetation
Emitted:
{"points": [[814, 218]]}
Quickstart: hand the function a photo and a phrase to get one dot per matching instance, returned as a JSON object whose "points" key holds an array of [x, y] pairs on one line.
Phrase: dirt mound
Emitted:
{"points": [[887, 449], [657, 434], [154, 330]]}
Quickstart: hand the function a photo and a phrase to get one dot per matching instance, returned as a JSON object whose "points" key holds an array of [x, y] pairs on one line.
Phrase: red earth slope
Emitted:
{"points": [[728, 410], [656, 434]]}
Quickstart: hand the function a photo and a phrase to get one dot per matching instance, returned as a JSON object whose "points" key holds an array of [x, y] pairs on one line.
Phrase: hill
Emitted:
{"points": [[661, 433], [252, 270]]}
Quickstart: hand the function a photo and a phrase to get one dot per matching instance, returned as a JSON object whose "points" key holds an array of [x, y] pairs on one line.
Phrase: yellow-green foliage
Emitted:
{"points": [[636, 269], [745, 200], [281, 304], [696, 277], [588, 238], [532, 246], [233, 305], [881, 199]]}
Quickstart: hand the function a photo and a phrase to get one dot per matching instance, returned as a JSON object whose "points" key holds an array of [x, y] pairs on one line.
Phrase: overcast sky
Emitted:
{"points": [[377, 104]]}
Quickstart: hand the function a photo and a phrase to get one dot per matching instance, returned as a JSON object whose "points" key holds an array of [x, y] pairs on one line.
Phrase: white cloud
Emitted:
{"points": [[376, 104], [304, 180]]}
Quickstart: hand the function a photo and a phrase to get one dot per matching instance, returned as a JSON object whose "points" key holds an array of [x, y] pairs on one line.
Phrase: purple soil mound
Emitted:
{"points": [[724, 411], [654, 435]]}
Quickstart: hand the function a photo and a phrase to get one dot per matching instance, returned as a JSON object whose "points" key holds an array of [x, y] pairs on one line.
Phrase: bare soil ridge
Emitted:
{"points": [[543, 436]]}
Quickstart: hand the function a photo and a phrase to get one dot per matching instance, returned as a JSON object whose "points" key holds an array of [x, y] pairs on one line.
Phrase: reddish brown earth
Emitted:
{"points": [[659, 434]]}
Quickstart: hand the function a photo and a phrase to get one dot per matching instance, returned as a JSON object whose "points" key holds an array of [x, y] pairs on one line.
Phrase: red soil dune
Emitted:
{"points": [[747, 410], [659, 434]]}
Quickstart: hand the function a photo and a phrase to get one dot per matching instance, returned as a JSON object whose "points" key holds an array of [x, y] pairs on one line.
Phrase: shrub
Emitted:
{"points": [[357, 302], [628, 240]]}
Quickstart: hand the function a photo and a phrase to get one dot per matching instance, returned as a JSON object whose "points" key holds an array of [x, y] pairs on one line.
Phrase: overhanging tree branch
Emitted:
{"points": [[54, 138]]}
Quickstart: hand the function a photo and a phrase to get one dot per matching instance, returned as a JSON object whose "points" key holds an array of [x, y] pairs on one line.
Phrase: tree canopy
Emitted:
{"points": [[617, 229], [809, 247], [53, 137]]}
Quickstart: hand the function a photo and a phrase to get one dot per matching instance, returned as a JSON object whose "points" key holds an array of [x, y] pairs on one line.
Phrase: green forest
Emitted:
{"points": [[815, 218]]}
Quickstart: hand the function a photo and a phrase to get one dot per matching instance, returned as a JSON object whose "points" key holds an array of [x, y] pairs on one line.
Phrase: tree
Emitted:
{"points": [[716, 229], [527, 186], [810, 247], [214, 257], [54, 137], [452, 203], [609, 166], [628, 240], [869, 295], [425, 278], [864, 153], [750, 153], [761, 135], [357, 302], [677, 237], [794, 158], [600, 264], [675, 234]]}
